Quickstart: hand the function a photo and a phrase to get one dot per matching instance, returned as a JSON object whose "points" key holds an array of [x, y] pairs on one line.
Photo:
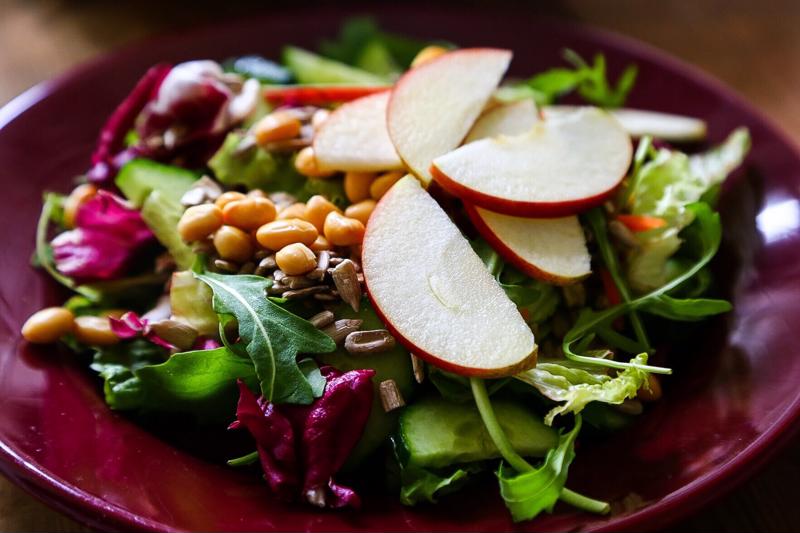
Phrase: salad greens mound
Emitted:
{"points": [[215, 262]]}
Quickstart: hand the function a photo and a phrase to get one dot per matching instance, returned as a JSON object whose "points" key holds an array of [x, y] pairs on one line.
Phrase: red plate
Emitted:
{"points": [[734, 397]]}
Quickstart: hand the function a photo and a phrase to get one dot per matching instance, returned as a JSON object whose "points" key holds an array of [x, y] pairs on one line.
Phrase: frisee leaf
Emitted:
{"points": [[273, 337], [576, 387]]}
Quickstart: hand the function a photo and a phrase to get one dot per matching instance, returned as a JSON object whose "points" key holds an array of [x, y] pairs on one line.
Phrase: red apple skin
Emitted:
{"points": [[510, 256], [319, 95], [518, 208], [526, 364]]}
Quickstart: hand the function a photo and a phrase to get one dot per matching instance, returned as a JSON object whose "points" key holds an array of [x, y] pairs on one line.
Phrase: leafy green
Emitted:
{"points": [[529, 493], [273, 337], [133, 290], [420, 485], [539, 299], [360, 42], [201, 383], [118, 364], [308, 67], [591, 82], [708, 233], [456, 388], [139, 177], [576, 387], [191, 302], [689, 309], [664, 186], [161, 214], [253, 167], [331, 188]]}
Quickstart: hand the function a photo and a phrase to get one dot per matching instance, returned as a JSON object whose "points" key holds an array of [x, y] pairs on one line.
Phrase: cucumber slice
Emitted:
{"points": [[161, 215], [393, 364], [437, 433], [308, 67], [139, 177]]}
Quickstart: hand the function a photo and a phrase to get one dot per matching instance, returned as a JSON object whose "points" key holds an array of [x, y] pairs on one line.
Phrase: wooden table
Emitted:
{"points": [[753, 46]]}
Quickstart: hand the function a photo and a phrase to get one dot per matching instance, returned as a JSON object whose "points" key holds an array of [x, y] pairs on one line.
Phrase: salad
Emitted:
{"points": [[387, 256]]}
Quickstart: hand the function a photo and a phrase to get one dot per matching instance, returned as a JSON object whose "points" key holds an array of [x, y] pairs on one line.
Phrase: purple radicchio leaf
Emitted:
{"points": [[130, 325], [106, 240], [275, 440], [320, 435], [195, 107], [105, 160]]}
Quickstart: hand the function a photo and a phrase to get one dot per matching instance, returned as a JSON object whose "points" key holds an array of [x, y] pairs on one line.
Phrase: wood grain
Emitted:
{"points": [[752, 46]]}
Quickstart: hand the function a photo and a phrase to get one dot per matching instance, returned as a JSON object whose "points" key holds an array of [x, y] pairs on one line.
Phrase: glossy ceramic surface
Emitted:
{"points": [[731, 403]]}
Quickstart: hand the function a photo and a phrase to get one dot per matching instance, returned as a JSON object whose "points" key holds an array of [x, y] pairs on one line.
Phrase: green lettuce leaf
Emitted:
{"points": [[117, 365], [664, 187], [254, 168], [574, 388], [273, 337], [202, 383], [689, 309], [529, 493]]}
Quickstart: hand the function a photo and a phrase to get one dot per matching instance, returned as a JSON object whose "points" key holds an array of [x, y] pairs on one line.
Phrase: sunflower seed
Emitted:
{"points": [[278, 275], [277, 288], [226, 266], [202, 191], [340, 329], [345, 278], [320, 320], [297, 282], [247, 268], [418, 365], [391, 398], [326, 297], [303, 293], [323, 260], [369, 341]]}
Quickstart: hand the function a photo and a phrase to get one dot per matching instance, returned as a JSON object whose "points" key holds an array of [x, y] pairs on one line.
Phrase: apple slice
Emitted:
{"points": [[549, 249], [638, 123], [319, 94], [434, 105], [434, 293], [563, 166], [354, 137], [514, 118]]}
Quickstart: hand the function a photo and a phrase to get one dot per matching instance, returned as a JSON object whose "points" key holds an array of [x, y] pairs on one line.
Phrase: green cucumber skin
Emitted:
{"points": [[393, 364], [436, 433], [139, 177]]}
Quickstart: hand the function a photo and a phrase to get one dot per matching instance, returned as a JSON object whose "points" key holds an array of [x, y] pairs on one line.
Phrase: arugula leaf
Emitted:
{"points": [[708, 233], [273, 337], [690, 309], [539, 299], [529, 493], [591, 82], [577, 387]]}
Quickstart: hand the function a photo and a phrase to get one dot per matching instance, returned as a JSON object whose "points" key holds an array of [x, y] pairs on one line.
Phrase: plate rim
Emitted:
{"points": [[94, 511]]}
